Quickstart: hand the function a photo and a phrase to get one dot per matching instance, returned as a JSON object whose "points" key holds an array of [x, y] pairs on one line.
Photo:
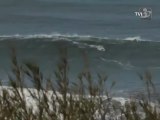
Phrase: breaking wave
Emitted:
{"points": [[125, 65], [58, 35]]}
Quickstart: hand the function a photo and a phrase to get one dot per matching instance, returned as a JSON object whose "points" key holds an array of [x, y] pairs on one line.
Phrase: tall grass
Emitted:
{"points": [[61, 99]]}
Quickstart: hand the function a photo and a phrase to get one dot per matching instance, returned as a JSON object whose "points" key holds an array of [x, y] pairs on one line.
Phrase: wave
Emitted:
{"points": [[134, 38], [125, 65], [44, 36], [82, 37], [83, 45]]}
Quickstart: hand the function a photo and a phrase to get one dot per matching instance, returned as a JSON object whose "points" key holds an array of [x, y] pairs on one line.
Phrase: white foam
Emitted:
{"points": [[138, 38], [55, 34], [32, 102], [98, 47], [82, 45], [52, 35], [121, 100], [126, 65]]}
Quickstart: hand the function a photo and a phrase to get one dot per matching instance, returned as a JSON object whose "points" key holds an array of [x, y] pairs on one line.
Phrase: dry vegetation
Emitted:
{"points": [[61, 99]]}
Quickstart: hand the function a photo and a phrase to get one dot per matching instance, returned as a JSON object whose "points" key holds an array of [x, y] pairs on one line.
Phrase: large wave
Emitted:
{"points": [[81, 37], [82, 41]]}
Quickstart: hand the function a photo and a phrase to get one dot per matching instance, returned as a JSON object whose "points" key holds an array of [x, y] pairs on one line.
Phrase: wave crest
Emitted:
{"points": [[59, 35]]}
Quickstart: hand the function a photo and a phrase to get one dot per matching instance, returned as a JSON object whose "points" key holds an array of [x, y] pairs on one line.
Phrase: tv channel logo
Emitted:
{"points": [[144, 13]]}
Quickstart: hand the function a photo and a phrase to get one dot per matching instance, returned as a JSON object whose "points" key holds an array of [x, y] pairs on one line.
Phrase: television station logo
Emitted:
{"points": [[144, 13]]}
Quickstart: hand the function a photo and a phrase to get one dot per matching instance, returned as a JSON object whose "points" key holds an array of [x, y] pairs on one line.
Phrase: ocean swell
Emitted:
{"points": [[76, 36]]}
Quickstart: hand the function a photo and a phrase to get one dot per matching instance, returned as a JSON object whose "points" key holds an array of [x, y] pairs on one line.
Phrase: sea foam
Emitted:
{"points": [[81, 37]]}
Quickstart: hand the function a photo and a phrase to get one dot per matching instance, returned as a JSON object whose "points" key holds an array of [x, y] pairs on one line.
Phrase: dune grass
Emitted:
{"points": [[61, 99]]}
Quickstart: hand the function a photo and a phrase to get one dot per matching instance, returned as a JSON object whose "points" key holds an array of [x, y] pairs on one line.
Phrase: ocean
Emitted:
{"points": [[117, 42]]}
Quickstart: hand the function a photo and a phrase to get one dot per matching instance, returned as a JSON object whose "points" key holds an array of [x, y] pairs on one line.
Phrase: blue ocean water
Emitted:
{"points": [[117, 41], [115, 19]]}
